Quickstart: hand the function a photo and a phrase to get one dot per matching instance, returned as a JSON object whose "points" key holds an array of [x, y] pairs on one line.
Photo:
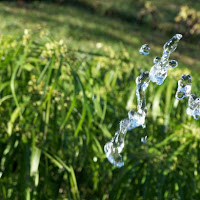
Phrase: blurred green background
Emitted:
{"points": [[55, 56]]}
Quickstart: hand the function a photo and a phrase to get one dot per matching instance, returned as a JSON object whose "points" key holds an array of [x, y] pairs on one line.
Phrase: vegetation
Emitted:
{"points": [[189, 20], [67, 79]]}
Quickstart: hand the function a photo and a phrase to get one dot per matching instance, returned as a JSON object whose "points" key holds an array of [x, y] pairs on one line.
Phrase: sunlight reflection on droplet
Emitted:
{"points": [[95, 159], [94, 97], [144, 139]]}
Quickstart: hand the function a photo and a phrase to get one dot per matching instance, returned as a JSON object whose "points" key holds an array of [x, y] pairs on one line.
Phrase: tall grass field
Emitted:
{"points": [[67, 78]]}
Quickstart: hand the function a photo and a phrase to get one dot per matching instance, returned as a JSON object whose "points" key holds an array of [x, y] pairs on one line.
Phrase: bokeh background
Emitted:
{"points": [[67, 78]]}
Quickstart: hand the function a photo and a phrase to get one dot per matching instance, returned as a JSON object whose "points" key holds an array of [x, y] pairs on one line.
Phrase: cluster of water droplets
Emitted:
{"points": [[184, 87], [184, 90], [157, 74]]}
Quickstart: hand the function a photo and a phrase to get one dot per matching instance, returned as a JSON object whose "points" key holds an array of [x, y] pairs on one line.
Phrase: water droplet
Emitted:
{"points": [[94, 97], [145, 49], [173, 63], [193, 106], [184, 87], [171, 45], [95, 159], [124, 125], [143, 125], [158, 73], [184, 90], [156, 59], [142, 83], [114, 148], [113, 155], [144, 139], [136, 119], [165, 57]]}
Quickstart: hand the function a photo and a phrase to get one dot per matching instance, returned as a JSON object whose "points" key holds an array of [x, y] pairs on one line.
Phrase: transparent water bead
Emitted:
{"points": [[145, 49], [165, 57], [114, 148], [156, 59], [144, 139], [142, 82], [124, 125], [194, 106], [136, 119], [184, 87], [112, 155], [118, 141], [158, 73], [171, 45], [173, 63], [94, 97]]}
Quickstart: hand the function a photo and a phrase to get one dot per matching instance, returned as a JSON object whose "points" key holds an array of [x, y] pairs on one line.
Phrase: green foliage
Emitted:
{"points": [[188, 20], [149, 11], [53, 130]]}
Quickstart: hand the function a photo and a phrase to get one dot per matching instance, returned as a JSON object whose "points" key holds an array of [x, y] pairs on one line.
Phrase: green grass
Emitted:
{"points": [[53, 132]]}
